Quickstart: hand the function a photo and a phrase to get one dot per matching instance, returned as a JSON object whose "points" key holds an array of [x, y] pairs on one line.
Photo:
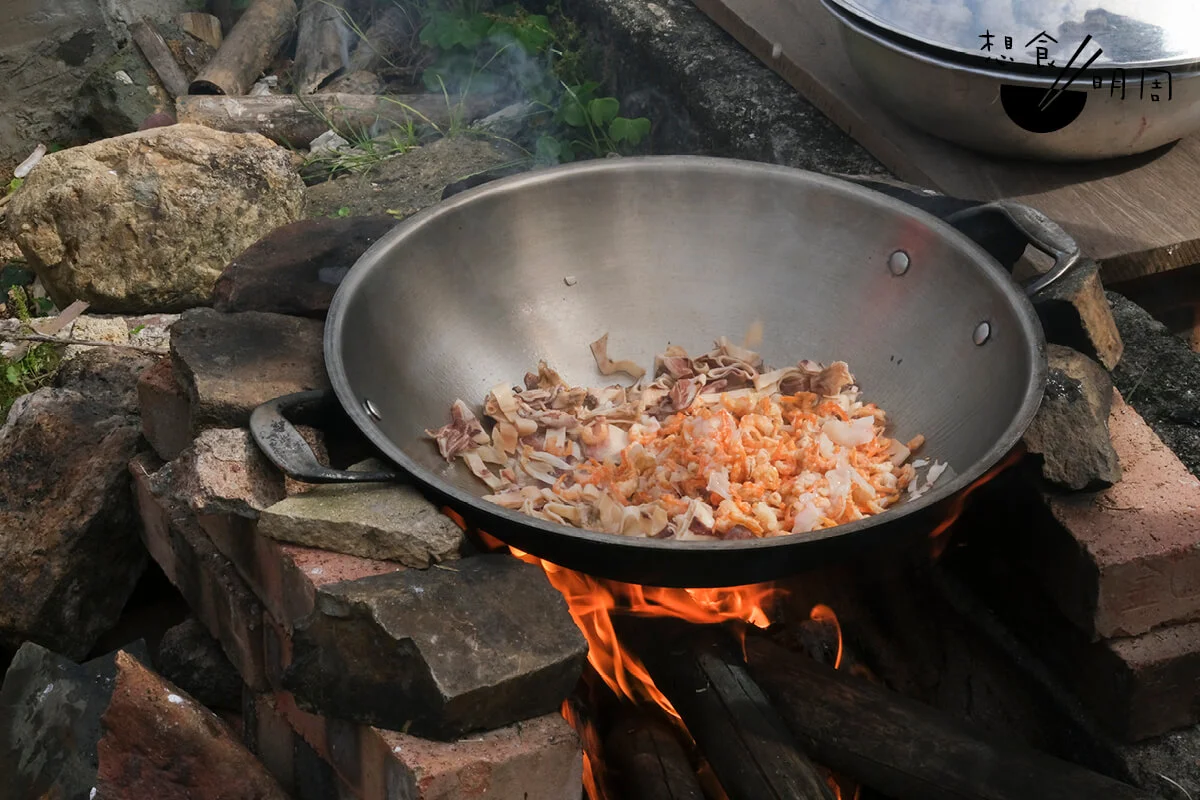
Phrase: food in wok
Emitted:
{"points": [[717, 445]]}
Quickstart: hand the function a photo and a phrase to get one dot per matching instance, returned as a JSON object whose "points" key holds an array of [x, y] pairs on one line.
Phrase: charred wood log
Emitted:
{"points": [[296, 121], [644, 755], [322, 45], [248, 49], [733, 723], [905, 749]]}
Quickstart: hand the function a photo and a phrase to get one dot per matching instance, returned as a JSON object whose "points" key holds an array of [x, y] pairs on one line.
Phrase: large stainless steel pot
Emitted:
{"points": [[682, 250], [925, 64]]}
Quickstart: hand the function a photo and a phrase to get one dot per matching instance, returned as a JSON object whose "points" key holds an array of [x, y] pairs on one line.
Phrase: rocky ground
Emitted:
{"points": [[162, 275]]}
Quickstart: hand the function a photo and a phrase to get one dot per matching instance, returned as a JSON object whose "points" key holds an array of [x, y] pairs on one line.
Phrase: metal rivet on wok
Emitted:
{"points": [[898, 262], [983, 332], [369, 407]]}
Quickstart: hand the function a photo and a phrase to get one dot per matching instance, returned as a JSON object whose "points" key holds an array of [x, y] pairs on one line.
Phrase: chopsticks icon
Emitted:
{"points": [[1053, 92]]}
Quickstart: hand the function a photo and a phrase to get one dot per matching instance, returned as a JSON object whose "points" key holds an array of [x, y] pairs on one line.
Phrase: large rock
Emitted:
{"points": [[69, 554], [438, 652], [1070, 430], [193, 660], [147, 221], [386, 521], [230, 363], [297, 268], [50, 710], [159, 742]]}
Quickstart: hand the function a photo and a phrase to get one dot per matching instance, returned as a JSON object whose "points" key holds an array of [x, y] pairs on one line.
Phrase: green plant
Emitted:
{"points": [[365, 152], [14, 184], [593, 127], [34, 368], [344, 211], [487, 51]]}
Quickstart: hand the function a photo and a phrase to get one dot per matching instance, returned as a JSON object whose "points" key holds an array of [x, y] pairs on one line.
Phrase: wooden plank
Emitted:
{"points": [[204, 27], [1134, 215]]}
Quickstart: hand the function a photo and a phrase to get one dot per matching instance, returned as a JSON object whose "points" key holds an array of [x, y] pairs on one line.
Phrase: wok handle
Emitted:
{"points": [[284, 447], [1042, 232]]}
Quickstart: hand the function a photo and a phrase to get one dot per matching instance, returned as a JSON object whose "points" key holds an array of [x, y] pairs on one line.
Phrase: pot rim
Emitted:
{"points": [[949, 58], [377, 254]]}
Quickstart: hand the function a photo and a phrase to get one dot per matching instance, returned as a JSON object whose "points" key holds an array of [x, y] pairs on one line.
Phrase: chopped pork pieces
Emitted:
{"points": [[715, 446]]}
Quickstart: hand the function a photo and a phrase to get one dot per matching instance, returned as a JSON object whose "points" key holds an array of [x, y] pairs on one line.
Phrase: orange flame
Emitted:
{"points": [[593, 600], [587, 733], [823, 613]]}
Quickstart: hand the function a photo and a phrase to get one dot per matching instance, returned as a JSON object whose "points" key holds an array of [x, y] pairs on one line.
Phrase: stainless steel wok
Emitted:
{"points": [[682, 250]]}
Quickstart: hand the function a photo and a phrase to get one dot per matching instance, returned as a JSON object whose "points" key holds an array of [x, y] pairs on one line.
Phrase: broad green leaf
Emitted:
{"points": [[630, 131], [547, 150], [13, 375], [572, 113], [603, 110]]}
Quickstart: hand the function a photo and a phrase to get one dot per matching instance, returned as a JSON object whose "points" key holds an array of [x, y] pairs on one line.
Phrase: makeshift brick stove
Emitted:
{"points": [[1052, 650]]}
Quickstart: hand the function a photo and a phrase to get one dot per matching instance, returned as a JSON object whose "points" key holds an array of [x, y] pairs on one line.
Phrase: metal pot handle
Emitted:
{"points": [[1042, 232], [283, 446]]}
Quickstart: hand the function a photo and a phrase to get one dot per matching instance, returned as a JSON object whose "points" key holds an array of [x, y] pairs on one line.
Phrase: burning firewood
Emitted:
{"points": [[905, 749], [648, 760], [731, 720]]}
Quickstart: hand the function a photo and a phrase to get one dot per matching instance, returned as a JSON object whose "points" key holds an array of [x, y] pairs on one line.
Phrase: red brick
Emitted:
{"points": [[283, 576], [298, 768], [539, 759], [216, 593], [165, 411], [159, 742], [1137, 687], [1126, 560]]}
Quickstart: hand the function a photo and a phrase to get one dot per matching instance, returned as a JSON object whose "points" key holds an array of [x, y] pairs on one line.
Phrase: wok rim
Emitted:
{"points": [[1030, 327]]}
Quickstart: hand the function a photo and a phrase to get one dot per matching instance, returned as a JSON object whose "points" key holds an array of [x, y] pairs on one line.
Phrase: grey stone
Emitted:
{"points": [[189, 657], [387, 521], [73, 556], [231, 363], [1159, 375], [118, 107], [50, 712], [438, 652], [106, 372], [705, 93], [145, 222], [1070, 430], [222, 472], [297, 268]]}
